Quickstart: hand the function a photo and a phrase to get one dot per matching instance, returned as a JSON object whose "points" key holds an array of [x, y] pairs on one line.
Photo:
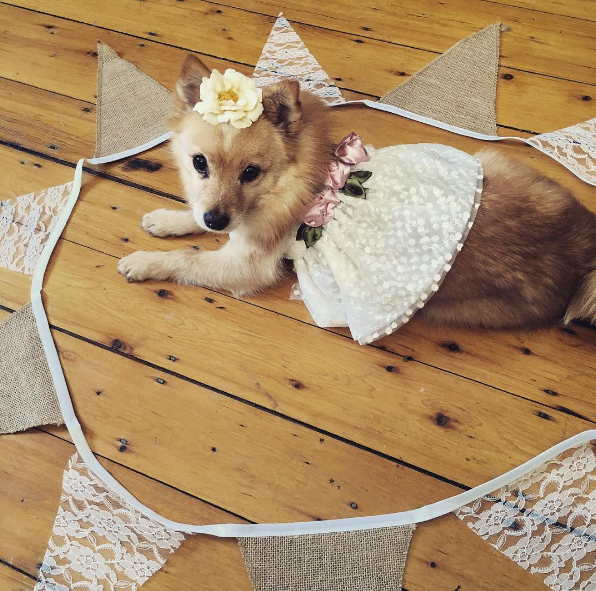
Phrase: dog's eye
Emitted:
{"points": [[200, 163], [250, 173]]}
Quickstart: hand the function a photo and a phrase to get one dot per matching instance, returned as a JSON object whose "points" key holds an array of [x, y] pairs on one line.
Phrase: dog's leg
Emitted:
{"points": [[170, 222], [228, 268]]}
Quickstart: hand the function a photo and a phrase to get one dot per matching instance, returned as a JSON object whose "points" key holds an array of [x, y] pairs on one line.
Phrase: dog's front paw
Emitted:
{"points": [[160, 223], [137, 266]]}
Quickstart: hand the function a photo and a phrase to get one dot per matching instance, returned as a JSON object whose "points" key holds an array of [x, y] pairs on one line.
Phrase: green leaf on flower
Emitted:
{"points": [[311, 235], [300, 232], [354, 188], [361, 175]]}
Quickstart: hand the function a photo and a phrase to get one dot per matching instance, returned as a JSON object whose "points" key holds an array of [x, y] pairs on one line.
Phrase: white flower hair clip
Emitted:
{"points": [[230, 97]]}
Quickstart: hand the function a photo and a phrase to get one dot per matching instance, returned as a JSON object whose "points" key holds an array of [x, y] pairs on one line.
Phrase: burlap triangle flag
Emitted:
{"points": [[27, 395], [99, 541], [459, 87], [285, 56], [132, 108], [369, 560], [26, 223]]}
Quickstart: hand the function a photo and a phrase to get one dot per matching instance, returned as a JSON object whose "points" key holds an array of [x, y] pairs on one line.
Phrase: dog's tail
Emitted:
{"points": [[583, 304]]}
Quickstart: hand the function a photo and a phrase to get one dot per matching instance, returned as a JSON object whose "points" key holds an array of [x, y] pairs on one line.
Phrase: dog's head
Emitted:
{"points": [[263, 174]]}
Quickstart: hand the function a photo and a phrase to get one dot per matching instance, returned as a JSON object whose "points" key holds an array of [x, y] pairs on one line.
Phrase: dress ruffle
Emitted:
{"points": [[381, 258]]}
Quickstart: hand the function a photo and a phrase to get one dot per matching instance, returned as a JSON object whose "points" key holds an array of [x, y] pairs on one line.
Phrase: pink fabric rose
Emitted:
{"points": [[321, 212], [351, 150], [338, 174]]}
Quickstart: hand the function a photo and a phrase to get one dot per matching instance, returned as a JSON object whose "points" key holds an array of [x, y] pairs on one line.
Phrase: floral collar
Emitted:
{"points": [[340, 179]]}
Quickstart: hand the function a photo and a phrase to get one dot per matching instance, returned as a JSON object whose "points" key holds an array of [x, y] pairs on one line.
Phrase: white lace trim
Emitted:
{"points": [[285, 56], [546, 520], [99, 542], [574, 147], [26, 223]]}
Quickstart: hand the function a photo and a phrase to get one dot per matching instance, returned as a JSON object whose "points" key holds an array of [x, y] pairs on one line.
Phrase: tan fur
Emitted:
{"points": [[291, 146], [529, 260]]}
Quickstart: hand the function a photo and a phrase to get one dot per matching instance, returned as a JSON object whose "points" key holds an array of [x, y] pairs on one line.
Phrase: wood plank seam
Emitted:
{"points": [[255, 405], [19, 570], [405, 45], [579, 18], [259, 407], [91, 170], [162, 482], [239, 62]]}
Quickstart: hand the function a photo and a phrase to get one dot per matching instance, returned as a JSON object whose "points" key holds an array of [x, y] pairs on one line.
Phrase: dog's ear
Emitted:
{"points": [[281, 105], [189, 81]]}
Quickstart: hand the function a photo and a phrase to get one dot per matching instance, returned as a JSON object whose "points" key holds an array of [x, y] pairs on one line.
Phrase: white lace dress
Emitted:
{"points": [[381, 258]]}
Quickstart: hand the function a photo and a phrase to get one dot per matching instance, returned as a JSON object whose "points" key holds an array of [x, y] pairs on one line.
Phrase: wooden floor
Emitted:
{"points": [[214, 409]]}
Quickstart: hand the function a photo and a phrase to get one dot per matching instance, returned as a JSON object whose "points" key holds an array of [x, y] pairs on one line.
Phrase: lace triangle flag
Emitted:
{"points": [[27, 395], [545, 521], [100, 542], [371, 560], [574, 147], [459, 87], [285, 56], [26, 223], [132, 108]]}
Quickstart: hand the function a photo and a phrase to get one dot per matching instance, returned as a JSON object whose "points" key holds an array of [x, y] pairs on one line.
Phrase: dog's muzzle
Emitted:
{"points": [[216, 220]]}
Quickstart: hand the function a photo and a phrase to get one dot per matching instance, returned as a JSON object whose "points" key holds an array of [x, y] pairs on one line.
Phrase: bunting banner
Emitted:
{"points": [[27, 395], [459, 87], [98, 541], [542, 514], [26, 223], [286, 57], [132, 108]]}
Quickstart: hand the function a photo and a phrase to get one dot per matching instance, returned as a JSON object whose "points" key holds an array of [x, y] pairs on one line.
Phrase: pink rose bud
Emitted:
{"points": [[321, 212], [338, 174], [351, 150]]}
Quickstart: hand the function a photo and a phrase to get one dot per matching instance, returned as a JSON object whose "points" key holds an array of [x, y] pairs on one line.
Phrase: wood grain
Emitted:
{"points": [[394, 406], [62, 60], [13, 580], [533, 43]]}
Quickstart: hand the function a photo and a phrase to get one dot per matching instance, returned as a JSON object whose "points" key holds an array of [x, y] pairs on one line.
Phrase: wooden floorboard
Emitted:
{"points": [[236, 410], [544, 43]]}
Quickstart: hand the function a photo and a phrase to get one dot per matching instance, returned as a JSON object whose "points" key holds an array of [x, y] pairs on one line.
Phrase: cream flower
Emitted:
{"points": [[230, 98]]}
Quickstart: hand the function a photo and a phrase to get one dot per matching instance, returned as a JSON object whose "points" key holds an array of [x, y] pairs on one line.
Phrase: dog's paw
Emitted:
{"points": [[137, 266], [160, 223]]}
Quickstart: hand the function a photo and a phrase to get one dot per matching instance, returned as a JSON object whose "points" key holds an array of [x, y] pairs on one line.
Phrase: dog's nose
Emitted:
{"points": [[216, 220]]}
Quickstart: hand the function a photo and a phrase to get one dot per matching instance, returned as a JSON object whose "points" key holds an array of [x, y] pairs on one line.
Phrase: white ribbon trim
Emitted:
{"points": [[428, 121], [126, 153], [419, 515]]}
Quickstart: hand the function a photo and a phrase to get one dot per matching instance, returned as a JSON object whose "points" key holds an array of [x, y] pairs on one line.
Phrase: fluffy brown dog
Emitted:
{"points": [[529, 260]]}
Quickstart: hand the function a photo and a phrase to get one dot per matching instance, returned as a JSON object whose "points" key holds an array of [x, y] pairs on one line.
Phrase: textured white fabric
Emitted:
{"points": [[545, 521], [99, 542], [286, 57], [25, 224], [381, 258]]}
